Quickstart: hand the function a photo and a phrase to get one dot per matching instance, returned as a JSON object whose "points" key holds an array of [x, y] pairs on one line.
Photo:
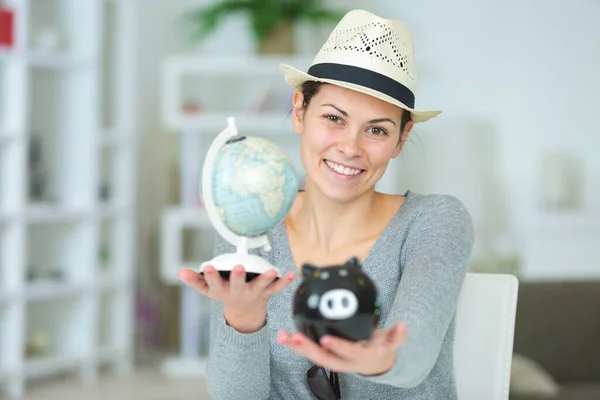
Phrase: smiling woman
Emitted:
{"points": [[348, 136], [353, 109]]}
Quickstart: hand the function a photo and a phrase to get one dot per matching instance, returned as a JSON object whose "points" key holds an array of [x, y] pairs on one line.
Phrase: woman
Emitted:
{"points": [[354, 110]]}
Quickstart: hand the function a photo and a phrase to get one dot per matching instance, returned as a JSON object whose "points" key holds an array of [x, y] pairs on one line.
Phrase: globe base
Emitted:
{"points": [[253, 264]]}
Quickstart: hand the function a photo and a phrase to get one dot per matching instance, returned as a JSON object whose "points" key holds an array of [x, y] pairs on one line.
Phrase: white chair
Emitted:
{"points": [[483, 347]]}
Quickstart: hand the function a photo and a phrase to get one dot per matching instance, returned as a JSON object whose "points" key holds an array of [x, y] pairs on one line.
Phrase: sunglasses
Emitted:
{"points": [[322, 385]]}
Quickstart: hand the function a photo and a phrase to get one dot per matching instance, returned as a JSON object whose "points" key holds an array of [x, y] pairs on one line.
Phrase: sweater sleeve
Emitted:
{"points": [[238, 364], [435, 260]]}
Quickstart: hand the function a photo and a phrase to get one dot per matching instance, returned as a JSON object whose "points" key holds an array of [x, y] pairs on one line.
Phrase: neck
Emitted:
{"points": [[329, 224]]}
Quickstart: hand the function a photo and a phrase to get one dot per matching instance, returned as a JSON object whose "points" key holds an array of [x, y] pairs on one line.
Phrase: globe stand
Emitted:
{"points": [[224, 263]]}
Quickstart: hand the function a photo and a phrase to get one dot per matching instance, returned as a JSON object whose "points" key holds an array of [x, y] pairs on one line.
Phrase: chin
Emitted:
{"points": [[337, 193]]}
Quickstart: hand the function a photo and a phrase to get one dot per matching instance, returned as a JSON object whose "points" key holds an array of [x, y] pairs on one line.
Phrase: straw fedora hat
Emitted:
{"points": [[368, 54]]}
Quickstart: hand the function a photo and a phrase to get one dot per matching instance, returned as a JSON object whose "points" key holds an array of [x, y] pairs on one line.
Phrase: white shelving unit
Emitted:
{"points": [[67, 170], [220, 87]]}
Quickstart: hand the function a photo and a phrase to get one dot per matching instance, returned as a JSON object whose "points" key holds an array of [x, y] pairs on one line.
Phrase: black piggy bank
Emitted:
{"points": [[339, 300]]}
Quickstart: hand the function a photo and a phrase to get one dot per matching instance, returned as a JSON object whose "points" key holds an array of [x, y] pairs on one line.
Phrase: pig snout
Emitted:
{"points": [[338, 304]]}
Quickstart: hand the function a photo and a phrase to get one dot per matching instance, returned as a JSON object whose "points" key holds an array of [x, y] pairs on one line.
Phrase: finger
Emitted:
{"points": [[280, 284], [397, 335], [261, 282], [213, 279], [284, 337], [318, 355], [237, 279], [194, 280]]}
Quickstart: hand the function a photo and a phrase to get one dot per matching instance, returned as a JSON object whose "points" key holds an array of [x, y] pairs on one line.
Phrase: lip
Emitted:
{"points": [[337, 175], [343, 165]]}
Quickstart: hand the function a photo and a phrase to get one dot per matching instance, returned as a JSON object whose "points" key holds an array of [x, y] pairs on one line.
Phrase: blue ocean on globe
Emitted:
{"points": [[254, 185]]}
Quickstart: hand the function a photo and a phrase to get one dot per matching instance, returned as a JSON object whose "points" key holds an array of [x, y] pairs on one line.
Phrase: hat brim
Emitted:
{"points": [[295, 78]]}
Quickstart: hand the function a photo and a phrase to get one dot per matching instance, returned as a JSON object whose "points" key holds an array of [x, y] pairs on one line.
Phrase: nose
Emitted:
{"points": [[338, 304], [349, 145]]}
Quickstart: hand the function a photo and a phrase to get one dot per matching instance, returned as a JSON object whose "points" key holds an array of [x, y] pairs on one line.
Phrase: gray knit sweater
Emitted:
{"points": [[418, 263]]}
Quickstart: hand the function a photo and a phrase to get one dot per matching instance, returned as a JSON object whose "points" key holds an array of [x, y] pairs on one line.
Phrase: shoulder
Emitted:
{"points": [[432, 205], [438, 214]]}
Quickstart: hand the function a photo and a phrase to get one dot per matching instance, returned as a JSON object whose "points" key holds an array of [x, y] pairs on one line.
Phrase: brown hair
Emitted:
{"points": [[311, 88]]}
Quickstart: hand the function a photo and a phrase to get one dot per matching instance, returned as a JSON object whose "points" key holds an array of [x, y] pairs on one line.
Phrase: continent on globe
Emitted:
{"points": [[254, 185]]}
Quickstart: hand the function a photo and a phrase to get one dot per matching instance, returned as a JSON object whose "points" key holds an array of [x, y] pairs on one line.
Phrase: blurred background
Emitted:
{"points": [[107, 108]]}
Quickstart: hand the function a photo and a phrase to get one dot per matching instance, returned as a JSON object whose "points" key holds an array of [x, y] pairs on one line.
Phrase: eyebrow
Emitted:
{"points": [[373, 121]]}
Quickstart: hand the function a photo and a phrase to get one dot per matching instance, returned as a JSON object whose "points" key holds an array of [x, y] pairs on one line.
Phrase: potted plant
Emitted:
{"points": [[271, 20]]}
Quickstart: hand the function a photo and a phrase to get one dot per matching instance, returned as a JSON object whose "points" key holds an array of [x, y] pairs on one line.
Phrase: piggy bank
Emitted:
{"points": [[339, 300]]}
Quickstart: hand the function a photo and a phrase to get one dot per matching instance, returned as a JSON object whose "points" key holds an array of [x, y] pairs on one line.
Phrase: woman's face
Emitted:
{"points": [[348, 139]]}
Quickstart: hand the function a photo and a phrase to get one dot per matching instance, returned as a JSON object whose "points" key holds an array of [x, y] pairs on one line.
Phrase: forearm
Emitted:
{"points": [[434, 264], [413, 361], [239, 363]]}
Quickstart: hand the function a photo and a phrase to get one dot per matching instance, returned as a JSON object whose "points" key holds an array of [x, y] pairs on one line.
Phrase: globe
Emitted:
{"points": [[248, 186], [254, 185]]}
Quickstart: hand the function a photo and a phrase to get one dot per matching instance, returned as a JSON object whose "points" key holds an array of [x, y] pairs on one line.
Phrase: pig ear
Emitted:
{"points": [[355, 262], [308, 269]]}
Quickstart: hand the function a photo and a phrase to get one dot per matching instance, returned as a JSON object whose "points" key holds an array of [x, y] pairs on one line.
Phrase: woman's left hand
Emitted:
{"points": [[339, 355]]}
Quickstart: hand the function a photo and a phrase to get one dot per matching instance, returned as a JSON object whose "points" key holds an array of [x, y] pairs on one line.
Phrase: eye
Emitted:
{"points": [[378, 131], [333, 118]]}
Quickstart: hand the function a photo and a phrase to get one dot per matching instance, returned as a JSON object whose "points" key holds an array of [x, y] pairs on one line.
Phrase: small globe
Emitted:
{"points": [[254, 185]]}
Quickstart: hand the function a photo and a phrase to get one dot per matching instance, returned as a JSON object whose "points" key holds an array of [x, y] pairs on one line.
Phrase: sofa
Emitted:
{"points": [[557, 331]]}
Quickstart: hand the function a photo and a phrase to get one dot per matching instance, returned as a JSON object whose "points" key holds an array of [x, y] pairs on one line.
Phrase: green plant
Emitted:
{"points": [[265, 15]]}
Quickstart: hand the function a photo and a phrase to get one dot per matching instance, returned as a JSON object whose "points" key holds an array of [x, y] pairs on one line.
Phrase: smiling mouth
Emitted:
{"points": [[341, 169]]}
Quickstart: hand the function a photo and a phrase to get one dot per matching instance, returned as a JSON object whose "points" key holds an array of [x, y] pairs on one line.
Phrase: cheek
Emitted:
{"points": [[316, 137], [381, 154]]}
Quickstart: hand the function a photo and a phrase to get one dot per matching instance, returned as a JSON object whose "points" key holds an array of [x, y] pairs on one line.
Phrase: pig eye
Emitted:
{"points": [[313, 301], [343, 272], [325, 275]]}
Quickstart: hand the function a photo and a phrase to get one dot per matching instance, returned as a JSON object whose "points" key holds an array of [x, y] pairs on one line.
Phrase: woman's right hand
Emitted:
{"points": [[244, 303]]}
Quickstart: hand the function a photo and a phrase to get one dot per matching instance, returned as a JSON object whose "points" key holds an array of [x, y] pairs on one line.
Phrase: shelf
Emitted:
{"points": [[268, 124], [3, 262], [196, 93], [58, 253], [4, 172], [54, 334], [52, 138], [46, 366], [7, 138], [51, 290], [52, 213], [108, 332], [3, 342], [60, 154], [6, 53], [248, 66], [62, 27], [5, 109], [64, 62], [108, 175], [114, 139], [47, 60]]}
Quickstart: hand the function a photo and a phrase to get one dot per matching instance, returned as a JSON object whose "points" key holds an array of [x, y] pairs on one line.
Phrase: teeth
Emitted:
{"points": [[342, 170]]}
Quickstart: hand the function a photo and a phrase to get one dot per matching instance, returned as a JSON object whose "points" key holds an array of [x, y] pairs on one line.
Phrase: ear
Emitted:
{"points": [[308, 269], [403, 136], [297, 111], [355, 262]]}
